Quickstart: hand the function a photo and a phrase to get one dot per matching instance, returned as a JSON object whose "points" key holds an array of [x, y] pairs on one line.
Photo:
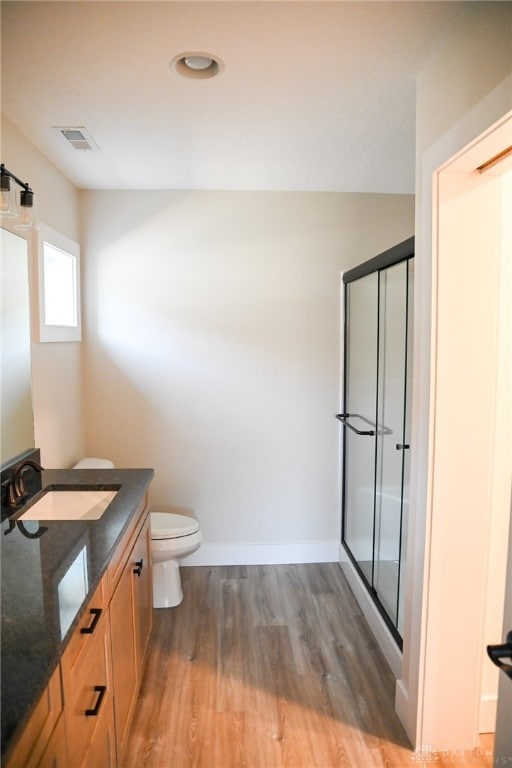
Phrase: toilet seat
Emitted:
{"points": [[166, 525]]}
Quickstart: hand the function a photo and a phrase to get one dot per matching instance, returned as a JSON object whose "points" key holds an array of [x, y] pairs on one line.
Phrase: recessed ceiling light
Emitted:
{"points": [[197, 64]]}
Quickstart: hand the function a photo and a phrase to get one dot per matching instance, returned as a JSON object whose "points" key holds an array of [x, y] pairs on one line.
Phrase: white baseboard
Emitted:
{"points": [[402, 709], [375, 621], [487, 715], [264, 554]]}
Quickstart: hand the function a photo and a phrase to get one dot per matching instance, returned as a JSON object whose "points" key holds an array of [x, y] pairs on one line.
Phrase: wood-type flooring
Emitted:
{"points": [[271, 667]]}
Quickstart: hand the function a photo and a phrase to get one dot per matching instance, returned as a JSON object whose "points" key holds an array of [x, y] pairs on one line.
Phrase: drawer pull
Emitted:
{"points": [[139, 565], [100, 690], [96, 613]]}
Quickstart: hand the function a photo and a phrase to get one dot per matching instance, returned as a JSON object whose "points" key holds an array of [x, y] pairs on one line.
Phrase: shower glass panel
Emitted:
{"points": [[407, 452], [360, 389], [390, 438], [376, 440]]}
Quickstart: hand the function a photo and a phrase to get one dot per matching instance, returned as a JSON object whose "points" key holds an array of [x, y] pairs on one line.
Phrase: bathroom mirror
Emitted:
{"points": [[17, 422]]}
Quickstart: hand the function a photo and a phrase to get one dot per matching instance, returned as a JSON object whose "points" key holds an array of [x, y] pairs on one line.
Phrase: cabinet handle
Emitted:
{"points": [[139, 565], [96, 613], [100, 690], [402, 446]]}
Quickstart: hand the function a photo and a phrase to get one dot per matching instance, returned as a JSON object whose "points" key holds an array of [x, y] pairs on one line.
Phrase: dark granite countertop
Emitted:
{"points": [[47, 582]]}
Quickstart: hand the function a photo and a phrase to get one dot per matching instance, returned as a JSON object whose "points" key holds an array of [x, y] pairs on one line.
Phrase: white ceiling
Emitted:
{"points": [[314, 95]]}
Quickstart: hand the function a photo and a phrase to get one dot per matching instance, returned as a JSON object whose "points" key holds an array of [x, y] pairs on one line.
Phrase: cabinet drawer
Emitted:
{"points": [[84, 633], [87, 684]]}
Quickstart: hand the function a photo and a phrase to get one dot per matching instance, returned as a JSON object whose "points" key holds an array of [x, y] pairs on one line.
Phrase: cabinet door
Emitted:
{"points": [[88, 690], [40, 728], [124, 658], [142, 594], [131, 612], [55, 755], [101, 752]]}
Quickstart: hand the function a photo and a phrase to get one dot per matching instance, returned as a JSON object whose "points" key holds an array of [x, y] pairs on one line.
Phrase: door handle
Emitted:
{"points": [[343, 417], [379, 430], [498, 652]]}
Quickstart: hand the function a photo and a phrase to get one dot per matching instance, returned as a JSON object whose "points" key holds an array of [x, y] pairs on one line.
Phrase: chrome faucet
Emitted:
{"points": [[17, 491]]}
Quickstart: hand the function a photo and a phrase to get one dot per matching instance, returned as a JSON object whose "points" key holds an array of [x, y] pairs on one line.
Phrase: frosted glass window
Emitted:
{"points": [[59, 287], [72, 591]]}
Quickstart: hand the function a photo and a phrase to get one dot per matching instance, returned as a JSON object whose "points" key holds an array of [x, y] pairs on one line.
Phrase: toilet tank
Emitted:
{"points": [[91, 463]]}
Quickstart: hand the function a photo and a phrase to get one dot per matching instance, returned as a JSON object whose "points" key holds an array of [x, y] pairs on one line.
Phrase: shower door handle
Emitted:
{"points": [[343, 417], [498, 652]]}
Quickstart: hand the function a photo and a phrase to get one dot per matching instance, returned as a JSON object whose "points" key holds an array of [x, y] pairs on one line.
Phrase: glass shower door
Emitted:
{"points": [[378, 314], [391, 441], [359, 419]]}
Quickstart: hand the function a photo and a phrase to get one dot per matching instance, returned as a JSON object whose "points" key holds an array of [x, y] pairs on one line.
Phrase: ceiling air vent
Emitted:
{"points": [[78, 137]]}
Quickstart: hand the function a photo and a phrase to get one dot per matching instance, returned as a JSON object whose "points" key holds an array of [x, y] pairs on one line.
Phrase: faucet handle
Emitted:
{"points": [[19, 484]]}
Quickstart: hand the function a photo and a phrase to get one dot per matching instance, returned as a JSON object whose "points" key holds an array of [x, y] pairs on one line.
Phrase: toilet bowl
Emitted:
{"points": [[173, 537]]}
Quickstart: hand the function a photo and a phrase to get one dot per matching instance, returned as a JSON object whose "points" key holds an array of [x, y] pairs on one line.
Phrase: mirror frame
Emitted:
{"points": [[31, 241]]}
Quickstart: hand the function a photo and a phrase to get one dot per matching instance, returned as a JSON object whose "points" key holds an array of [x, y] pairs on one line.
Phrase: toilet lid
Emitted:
{"points": [[165, 525], [90, 463]]}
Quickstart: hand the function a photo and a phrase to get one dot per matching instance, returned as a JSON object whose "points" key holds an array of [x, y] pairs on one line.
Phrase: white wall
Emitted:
{"points": [[212, 353], [465, 87], [56, 368]]}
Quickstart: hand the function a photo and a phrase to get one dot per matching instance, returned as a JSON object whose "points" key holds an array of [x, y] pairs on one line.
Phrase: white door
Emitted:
{"points": [[470, 473]]}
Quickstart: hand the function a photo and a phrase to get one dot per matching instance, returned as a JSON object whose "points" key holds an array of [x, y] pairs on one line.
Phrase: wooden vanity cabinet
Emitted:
{"points": [[130, 625], [83, 718]]}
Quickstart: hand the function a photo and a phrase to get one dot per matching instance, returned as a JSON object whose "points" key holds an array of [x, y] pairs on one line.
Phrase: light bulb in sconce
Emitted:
{"points": [[27, 212], [7, 199]]}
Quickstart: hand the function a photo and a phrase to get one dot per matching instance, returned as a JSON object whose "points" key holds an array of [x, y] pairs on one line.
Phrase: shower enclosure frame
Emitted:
{"points": [[403, 252]]}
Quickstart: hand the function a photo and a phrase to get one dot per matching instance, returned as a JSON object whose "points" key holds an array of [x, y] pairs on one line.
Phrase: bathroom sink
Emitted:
{"points": [[70, 505]]}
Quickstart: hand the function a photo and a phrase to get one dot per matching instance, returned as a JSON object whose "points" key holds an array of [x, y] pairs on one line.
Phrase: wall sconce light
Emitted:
{"points": [[25, 209]]}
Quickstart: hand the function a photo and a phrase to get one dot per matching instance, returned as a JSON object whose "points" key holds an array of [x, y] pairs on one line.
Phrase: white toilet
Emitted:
{"points": [[173, 537]]}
